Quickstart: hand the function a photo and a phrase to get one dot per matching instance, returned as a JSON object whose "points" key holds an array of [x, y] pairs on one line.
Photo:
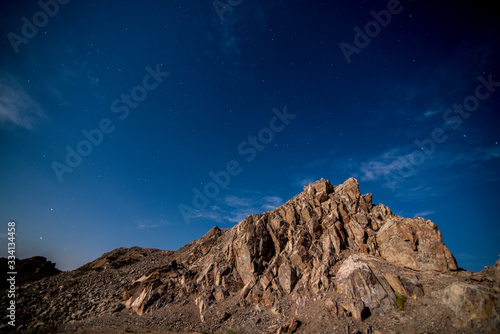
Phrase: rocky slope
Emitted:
{"points": [[328, 260]]}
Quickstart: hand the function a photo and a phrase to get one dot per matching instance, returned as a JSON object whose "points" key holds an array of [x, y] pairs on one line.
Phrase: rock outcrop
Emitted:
{"points": [[29, 270], [471, 302], [294, 249], [414, 243], [329, 252]]}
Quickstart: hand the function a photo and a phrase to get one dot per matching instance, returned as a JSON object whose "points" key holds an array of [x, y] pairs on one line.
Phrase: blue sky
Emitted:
{"points": [[179, 120]]}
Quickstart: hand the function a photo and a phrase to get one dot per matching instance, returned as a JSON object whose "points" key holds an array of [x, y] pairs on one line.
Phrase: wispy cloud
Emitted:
{"points": [[145, 224], [17, 108], [383, 164], [272, 202], [333, 165], [233, 209], [479, 154], [430, 113], [424, 214], [451, 162], [398, 159], [233, 30], [443, 81], [142, 226], [465, 256], [235, 201], [304, 181]]}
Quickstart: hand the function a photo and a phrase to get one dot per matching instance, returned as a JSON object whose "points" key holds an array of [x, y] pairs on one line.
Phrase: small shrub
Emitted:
{"points": [[400, 302]]}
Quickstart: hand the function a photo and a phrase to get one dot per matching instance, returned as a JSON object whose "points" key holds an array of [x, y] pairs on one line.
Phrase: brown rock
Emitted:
{"points": [[225, 316], [413, 287], [396, 284], [332, 307], [496, 269], [293, 325], [141, 294], [220, 294], [472, 302], [356, 280], [287, 277], [356, 309], [289, 328], [414, 243]]}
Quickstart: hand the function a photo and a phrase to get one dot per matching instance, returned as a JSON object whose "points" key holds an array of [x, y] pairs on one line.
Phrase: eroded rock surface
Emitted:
{"points": [[472, 302], [294, 250]]}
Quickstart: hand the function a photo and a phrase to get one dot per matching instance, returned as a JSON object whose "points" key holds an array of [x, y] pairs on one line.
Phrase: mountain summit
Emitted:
{"points": [[328, 260]]}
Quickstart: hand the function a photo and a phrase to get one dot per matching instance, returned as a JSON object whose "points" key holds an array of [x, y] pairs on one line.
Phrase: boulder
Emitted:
{"points": [[356, 280], [414, 243], [471, 302]]}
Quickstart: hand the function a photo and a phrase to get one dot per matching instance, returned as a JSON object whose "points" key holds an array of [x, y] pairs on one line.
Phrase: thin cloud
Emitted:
{"points": [[146, 225], [430, 113], [17, 108], [233, 209], [465, 256], [387, 162], [235, 201], [479, 154], [274, 200], [231, 31], [149, 224], [393, 169], [424, 214], [302, 182], [395, 160], [450, 79]]}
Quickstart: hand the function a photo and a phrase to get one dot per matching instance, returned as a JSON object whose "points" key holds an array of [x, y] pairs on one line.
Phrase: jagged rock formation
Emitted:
{"points": [[294, 249], [328, 257], [29, 270]]}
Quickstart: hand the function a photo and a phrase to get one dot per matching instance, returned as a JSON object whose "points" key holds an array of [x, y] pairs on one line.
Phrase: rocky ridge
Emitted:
{"points": [[29, 270], [327, 260]]}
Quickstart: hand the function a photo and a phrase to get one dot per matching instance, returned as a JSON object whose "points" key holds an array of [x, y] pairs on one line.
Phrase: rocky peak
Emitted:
{"points": [[328, 255], [295, 249]]}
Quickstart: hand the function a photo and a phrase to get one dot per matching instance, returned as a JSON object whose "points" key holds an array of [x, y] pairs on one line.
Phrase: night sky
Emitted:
{"points": [[146, 123]]}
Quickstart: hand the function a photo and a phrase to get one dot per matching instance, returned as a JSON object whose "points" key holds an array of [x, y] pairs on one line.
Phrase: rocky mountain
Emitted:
{"points": [[327, 261]]}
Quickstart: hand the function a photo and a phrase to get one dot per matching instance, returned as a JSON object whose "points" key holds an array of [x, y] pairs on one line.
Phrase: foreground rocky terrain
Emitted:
{"points": [[327, 261]]}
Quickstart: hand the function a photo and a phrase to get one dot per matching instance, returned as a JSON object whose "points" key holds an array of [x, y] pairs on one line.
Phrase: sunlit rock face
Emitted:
{"points": [[294, 249], [327, 252]]}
